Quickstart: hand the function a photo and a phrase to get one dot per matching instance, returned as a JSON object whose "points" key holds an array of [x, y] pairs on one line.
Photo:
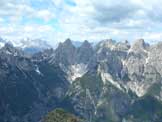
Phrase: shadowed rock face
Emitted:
{"points": [[109, 82], [85, 52], [65, 53], [28, 89]]}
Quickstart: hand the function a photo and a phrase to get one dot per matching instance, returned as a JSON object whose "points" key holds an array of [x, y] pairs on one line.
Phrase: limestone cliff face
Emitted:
{"points": [[107, 82]]}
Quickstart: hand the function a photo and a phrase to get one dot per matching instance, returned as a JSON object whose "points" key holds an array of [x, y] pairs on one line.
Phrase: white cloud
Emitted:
{"points": [[88, 19], [57, 2], [1, 20], [153, 36], [45, 14]]}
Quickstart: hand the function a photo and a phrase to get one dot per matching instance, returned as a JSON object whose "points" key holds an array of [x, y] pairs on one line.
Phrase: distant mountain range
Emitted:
{"points": [[30, 46], [109, 82]]}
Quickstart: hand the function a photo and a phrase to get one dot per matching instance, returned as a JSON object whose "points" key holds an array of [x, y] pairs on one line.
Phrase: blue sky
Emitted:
{"points": [[93, 20]]}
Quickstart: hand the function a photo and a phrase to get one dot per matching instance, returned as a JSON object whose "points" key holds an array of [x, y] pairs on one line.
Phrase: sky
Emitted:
{"points": [[93, 20]]}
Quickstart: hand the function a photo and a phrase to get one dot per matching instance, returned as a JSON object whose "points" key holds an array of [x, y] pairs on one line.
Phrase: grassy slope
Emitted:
{"points": [[59, 115]]}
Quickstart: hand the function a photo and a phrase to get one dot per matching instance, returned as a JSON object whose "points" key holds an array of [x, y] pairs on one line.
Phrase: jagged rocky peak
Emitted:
{"points": [[84, 52], [64, 54], [43, 55], [139, 44], [67, 45], [8, 48], [68, 42], [122, 46], [126, 42], [157, 46], [107, 43], [155, 56], [86, 44]]}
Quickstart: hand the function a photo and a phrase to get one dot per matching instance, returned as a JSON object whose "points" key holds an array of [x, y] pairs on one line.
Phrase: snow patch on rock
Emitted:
{"points": [[106, 77], [76, 71], [38, 71], [138, 87]]}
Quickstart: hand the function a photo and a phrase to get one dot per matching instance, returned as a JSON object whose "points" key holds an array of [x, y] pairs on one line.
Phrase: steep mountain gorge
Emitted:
{"points": [[109, 82]]}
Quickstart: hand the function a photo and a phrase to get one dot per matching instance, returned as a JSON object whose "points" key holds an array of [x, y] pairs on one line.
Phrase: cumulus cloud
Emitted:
{"points": [[94, 20], [113, 11], [45, 14]]}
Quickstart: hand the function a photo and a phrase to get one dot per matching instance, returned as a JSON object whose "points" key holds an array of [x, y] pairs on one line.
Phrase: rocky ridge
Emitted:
{"points": [[108, 82]]}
